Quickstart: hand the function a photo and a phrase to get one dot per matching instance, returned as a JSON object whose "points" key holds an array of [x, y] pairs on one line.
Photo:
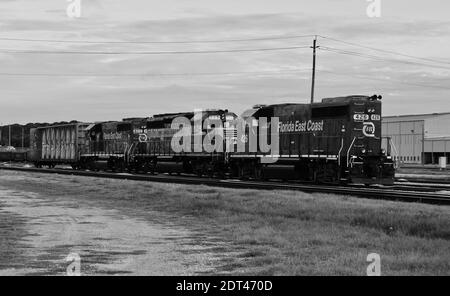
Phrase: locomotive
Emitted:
{"points": [[335, 141]]}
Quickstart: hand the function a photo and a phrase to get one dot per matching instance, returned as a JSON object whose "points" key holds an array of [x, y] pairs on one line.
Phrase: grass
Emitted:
{"points": [[278, 232], [423, 171]]}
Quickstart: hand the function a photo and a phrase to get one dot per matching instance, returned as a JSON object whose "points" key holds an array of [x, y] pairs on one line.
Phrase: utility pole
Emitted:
{"points": [[23, 131], [314, 47], [9, 135]]}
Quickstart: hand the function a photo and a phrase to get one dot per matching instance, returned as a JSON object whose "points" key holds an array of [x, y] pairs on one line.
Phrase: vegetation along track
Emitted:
{"points": [[391, 193]]}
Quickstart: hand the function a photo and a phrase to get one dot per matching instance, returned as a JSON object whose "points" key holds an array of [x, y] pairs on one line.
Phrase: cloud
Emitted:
{"points": [[95, 98]]}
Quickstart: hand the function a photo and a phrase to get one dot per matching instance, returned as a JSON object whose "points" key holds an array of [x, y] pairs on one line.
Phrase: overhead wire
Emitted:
{"points": [[383, 80], [267, 38], [385, 51], [149, 52], [281, 71], [378, 58]]}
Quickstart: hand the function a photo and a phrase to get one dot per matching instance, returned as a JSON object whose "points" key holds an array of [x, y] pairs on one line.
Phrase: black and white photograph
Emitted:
{"points": [[224, 144]]}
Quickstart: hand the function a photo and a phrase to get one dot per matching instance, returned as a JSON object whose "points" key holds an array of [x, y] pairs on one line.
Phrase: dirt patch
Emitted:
{"points": [[38, 233]]}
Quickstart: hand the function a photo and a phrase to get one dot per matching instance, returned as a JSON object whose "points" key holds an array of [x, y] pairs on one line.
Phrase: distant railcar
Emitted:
{"points": [[57, 144], [16, 156]]}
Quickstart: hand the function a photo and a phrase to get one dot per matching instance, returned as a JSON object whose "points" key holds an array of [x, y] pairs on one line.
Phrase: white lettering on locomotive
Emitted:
{"points": [[143, 138], [360, 117], [112, 136], [375, 117], [315, 126], [300, 126], [369, 129], [141, 130]]}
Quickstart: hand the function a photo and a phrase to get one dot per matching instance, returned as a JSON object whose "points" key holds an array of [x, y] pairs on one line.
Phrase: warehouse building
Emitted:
{"points": [[418, 139]]}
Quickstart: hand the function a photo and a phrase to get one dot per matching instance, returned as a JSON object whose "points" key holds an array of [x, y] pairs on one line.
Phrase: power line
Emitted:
{"points": [[147, 52], [264, 38], [384, 80], [385, 51], [153, 74], [156, 42], [358, 54]]}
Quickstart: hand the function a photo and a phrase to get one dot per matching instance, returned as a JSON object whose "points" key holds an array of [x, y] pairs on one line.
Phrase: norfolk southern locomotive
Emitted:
{"points": [[335, 141]]}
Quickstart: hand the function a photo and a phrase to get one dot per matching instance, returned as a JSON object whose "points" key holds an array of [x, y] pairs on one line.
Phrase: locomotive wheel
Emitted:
{"points": [[210, 169], [119, 166], [91, 166], [257, 172], [113, 166], [243, 172], [234, 170], [152, 167], [221, 175], [337, 176], [315, 177], [199, 168]]}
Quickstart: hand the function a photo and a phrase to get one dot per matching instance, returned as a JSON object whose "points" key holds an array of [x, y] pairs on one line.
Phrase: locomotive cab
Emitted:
{"points": [[366, 161], [106, 146]]}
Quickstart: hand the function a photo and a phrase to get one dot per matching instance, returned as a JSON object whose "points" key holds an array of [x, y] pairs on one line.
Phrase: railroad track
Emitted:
{"points": [[423, 187], [366, 192], [423, 180]]}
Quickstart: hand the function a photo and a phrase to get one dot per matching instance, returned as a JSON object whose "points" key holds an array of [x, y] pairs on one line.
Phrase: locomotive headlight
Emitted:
{"points": [[363, 151], [383, 151]]}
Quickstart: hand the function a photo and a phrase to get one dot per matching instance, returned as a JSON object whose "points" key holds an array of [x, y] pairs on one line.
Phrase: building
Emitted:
{"points": [[419, 139]]}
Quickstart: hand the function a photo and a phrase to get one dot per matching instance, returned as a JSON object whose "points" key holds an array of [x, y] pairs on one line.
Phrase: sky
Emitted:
{"points": [[403, 55]]}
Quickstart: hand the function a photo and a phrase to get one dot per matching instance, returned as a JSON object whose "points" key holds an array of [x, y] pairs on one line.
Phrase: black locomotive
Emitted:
{"points": [[335, 141]]}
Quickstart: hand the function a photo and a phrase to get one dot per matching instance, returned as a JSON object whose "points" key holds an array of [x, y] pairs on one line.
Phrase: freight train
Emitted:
{"points": [[335, 141], [13, 155]]}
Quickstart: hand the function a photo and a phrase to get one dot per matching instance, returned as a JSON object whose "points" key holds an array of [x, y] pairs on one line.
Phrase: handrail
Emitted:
{"points": [[395, 151], [348, 151], [127, 151], [340, 150], [393, 146]]}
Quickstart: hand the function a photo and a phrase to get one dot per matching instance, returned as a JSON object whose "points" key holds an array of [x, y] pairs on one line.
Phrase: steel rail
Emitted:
{"points": [[372, 193]]}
